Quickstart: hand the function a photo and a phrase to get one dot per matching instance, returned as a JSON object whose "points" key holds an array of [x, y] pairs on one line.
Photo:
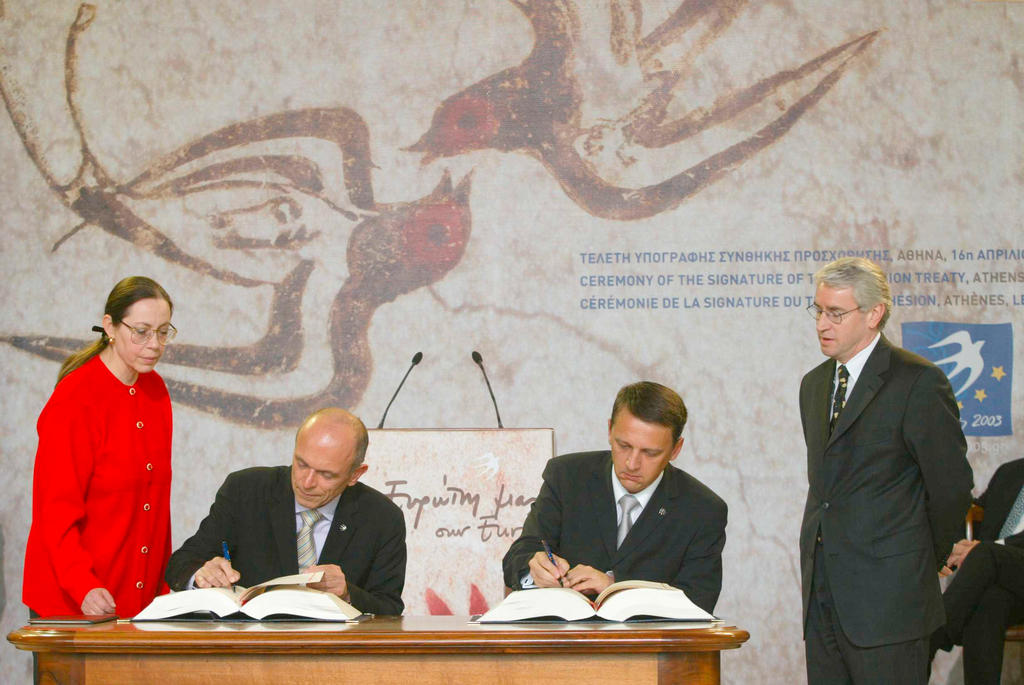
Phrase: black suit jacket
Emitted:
{"points": [[255, 513], [678, 538], [998, 499], [888, 490]]}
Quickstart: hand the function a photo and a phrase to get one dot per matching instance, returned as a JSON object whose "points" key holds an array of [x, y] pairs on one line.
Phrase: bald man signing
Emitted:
{"points": [[311, 516]]}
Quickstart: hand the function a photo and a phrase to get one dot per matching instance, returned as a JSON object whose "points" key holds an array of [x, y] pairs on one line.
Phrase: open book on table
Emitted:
{"points": [[282, 599], [627, 600]]}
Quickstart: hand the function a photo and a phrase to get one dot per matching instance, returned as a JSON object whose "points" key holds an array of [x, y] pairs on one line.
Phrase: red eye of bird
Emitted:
{"points": [[466, 123], [436, 236]]}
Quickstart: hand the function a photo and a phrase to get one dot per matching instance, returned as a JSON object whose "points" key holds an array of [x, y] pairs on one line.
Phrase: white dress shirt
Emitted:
{"points": [[854, 367]]}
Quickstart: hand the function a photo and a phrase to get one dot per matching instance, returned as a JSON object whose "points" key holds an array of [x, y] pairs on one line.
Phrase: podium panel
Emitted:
{"points": [[465, 494]]}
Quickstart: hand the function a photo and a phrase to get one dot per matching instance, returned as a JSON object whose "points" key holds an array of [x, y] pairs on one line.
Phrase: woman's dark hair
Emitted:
{"points": [[127, 292]]}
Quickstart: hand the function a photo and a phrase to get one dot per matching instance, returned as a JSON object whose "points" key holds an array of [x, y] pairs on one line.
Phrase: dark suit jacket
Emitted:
{"points": [[998, 499], [678, 538], [255, 513], [888, 491]]}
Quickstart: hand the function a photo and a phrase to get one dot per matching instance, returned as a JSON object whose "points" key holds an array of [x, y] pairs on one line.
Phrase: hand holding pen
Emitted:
{"points": [[217, 572], [545, 567], [226, 553]]}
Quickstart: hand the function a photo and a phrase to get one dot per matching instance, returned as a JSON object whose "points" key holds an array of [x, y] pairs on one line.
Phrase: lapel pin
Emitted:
{"points": [[662, 512], [342, 527]]}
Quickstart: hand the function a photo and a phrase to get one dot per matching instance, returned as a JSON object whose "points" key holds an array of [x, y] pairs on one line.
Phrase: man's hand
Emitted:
{"points": [[98, 601], [333, 580], [217, 572], [957, 556], [546, 574], [588, 580]]}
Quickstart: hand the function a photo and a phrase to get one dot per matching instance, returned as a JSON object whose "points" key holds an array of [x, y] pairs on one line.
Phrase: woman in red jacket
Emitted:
{"points": [[101, 529]]}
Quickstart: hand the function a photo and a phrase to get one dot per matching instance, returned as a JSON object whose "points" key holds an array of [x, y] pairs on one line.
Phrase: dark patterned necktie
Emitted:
{"points": [[839, 400]]}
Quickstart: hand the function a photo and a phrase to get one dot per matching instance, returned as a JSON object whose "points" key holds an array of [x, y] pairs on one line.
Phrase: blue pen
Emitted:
{"points": [[551, 558], [227, 555]]}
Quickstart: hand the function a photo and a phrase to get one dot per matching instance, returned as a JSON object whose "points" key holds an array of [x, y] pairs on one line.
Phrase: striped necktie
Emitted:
{"points": [[307, 549]]}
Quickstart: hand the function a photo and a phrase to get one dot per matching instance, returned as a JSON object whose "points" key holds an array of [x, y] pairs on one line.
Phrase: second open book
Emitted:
{"points": [[627, 600], [285, 598]]}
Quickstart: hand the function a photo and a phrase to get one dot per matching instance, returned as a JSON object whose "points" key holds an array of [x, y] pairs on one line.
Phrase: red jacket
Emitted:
{"points": [[101, 493]]}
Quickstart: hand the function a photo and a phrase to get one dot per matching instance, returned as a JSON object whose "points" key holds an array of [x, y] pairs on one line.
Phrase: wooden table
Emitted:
{"points": [[411, 650]]}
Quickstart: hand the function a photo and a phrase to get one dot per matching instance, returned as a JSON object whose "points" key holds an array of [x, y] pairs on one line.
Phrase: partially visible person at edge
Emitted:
{"points": [[101, 528]]}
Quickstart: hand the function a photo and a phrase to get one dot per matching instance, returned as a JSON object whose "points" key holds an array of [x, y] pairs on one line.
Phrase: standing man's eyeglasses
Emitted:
{"points": [[835, 317]]}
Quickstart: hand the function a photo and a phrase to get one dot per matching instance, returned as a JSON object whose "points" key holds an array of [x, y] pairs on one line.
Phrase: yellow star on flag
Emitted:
{"points": [[980, 395], [998, 373]]}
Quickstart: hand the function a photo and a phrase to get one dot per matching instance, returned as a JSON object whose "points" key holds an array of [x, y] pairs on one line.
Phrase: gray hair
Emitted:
{"points": [[865, 278]]}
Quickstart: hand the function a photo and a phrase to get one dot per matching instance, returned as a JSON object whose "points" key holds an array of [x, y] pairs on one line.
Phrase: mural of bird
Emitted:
{"points": [[535, 107], [407, 246], [246, 206]]}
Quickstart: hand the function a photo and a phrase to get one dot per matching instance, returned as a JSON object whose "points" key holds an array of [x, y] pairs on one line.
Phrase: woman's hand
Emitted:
{"points": [[98, 601]]}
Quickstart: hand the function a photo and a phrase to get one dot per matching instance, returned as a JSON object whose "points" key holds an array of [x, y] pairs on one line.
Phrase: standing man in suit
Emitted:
{"points": [[987, 592], [889, 485], [311, 516], [626, 513]]}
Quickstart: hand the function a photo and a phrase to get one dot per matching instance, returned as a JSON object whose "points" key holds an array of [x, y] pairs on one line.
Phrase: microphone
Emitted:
{"points": [[480, 362], [416, 359]]}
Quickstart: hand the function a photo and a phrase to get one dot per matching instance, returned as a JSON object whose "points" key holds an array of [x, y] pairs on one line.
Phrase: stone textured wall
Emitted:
{"points": [[588, 193]]}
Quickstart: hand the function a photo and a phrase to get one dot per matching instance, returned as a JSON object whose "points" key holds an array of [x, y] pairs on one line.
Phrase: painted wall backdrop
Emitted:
{"points": [[587, 193]]}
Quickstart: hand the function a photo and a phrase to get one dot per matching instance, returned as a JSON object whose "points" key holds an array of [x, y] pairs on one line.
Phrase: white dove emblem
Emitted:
{"points": [[968, 358], [487, 464]]}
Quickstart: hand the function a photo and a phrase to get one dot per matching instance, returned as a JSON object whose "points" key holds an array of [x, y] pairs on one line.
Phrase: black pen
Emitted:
{"points": [[551, 558]]}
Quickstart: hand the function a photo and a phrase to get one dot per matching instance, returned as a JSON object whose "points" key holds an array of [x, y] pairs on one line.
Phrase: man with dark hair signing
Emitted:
{"points": [[627, 513], [311, 516]]}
